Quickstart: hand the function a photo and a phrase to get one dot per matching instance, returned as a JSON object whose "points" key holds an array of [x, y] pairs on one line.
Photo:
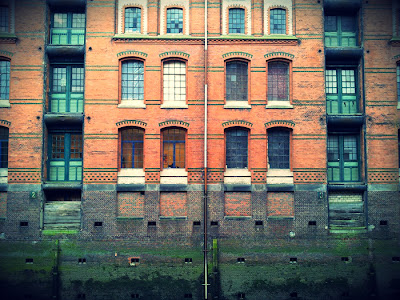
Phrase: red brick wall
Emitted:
{"points": [[280, 204], [173, 204], [237, 204], [130, 204]]}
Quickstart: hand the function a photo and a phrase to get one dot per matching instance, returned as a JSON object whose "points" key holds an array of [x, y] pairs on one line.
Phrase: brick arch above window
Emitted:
{"points": [[287, 5], [132, 54], [6, 54], [280, 124], [136, 123], [236, 55], [244, 4], [174, 123], [237, 123], [174, 54], [4, 123], [280, 55], [122, 5]]}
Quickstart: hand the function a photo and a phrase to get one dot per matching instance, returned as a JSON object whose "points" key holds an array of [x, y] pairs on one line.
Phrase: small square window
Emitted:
{"points": [[174, 20], [236, 20], [278, 21], [133, 19]]}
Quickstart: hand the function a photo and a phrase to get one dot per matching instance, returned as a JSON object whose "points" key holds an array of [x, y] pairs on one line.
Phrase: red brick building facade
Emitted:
{"points": [[108, 107]]}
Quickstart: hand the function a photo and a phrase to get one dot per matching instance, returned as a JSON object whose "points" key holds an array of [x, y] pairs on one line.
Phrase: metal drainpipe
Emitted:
{"points": [[205, 153]]}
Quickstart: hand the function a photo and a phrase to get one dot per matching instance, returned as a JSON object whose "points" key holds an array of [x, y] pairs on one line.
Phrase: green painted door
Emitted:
{"points": [[340, 31]]}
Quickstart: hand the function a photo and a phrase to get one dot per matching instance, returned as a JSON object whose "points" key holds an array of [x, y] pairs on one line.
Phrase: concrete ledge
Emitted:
{"points": [[162, 218], [99, 187], [341, 5], [310, 187], [343, 53], [131, 187], [280, 187], [237, 218], [174, 104], [3, 187], [237, 104], [347, 187], [62, 186], [132, 104], [24, 187], [5, 103], [65, 50], [345, 120], [173, 187], [237, 187], [278, 218], [67, 119], [130, 218], [67, 3], [383, 187]]}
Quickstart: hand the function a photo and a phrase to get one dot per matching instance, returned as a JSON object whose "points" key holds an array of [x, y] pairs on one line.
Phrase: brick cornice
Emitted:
{"points": [[279, 55], [131, 123], [174, 54], [174, 123], [242, 123], [280, 123], [132, 53], [237, 54], [5, 123]]}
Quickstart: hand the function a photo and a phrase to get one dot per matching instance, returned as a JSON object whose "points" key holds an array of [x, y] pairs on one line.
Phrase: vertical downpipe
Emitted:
{"points": [[205, 152]]}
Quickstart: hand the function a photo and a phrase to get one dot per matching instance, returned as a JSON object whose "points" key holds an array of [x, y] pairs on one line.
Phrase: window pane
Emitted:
{"points": [[330, 82], [278, 21], [76, 146], [3, 147], [398, 83], [132, 148], [78, 79], [174, 20], [174, 148], [174, 81], [132, 84], [278, 81], [59, 79], [278, 148], [60, 20], [132, 19], [348, 82], [236, 148], [236, 81], [236, 20], [333, 148], [349, 148], [3, 19], [4, 80], [348, 24], [57, 146], [78, 20], [330, 23]]}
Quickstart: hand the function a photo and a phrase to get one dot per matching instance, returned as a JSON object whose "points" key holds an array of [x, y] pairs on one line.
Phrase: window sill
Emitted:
{"points": [[237, 218], [237, 104], [131, 176], [237, 176], [174, 104], [132, 104], [5, 103], [398, 105], [279, 104], [279, 176], [173, 176], [173, 218]]}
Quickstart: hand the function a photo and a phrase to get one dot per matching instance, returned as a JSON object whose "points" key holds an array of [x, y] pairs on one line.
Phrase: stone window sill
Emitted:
{"points": [[132, 104], [237, 104], [279, 104], [5, 103], [174, 104]]}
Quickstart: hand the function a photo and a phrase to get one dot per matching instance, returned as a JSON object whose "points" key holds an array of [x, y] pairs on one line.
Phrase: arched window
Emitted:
{"points": [[174, 20], [3, 147], [174, 147], [236, 80], [132, 80], [278, 21], [278, 81], [236, 20], [4, 80], [133, 17], [174, 80], [279, 148], [132, 147], [236, 148]]}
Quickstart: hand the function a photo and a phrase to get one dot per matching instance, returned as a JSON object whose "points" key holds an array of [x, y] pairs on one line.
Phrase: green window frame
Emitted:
{"points": [[340, 31], [65, 154], [67, 88], [68, 28], [4, 147], [343, 158], [341, 90]]}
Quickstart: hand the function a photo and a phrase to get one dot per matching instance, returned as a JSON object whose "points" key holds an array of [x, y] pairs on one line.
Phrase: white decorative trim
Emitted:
{"points": [[174, 104], [132, 104], [279, 104], [237, 104], [279, 176], [131, 176], [225, 15], [5, 103], [237, 176], [174, 3], [173, 176], [287, 4], [132, 3]]}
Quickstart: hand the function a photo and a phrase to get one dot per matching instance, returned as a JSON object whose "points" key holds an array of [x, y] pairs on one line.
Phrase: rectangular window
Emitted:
{"points": [[132, 83], [3, 147], [67, 87], [68, 29], [174, 148], [65, 156], [132, 147], [132, 19], [236, 81], [4, 80], [174, 80], [278, 148], [174, 20], [278, 81], [278, 21], [237, 148], [343, 158], [341, 92], [236, 20], [4, 19], [340, 31]]}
